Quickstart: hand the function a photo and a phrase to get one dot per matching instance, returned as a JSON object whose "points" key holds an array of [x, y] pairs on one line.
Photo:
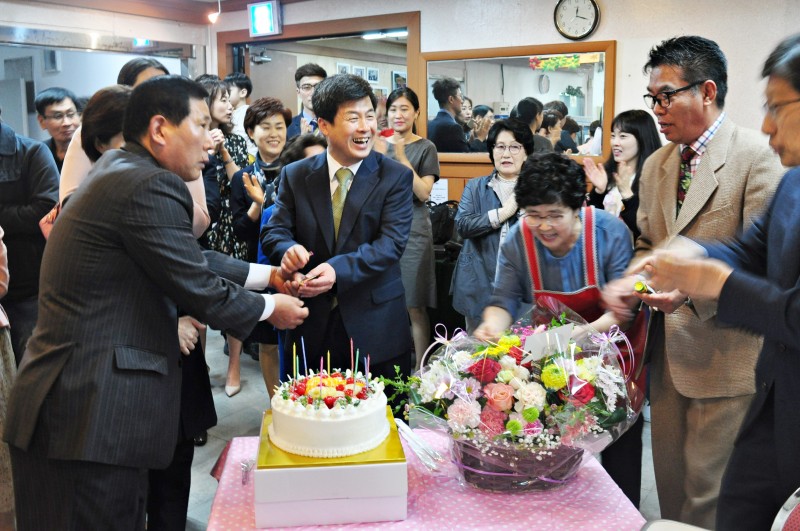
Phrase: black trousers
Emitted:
{"points": [[751, 494], [77, 495], [623, 461], [168, 496]]}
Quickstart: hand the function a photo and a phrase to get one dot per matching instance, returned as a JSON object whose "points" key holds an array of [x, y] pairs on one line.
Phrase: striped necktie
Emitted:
{"points": [[685, 178], [343, 175]]}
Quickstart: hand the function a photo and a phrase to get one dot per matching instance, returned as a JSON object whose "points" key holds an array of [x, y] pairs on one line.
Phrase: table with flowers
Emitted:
{"points": [[591, 500]]}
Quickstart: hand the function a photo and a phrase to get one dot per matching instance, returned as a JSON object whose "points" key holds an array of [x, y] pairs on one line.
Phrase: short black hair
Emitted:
{"points": [[444, 88], [571, 126], [309, 70], [131, 70], [698, 58], [784, 62], [167, 96], [557, 105], [263, 108], [527, 110], [550, 179], [336, 90], [550, 118], [296, 146], [481, 110], [520, 131], [50, 96], [593, 127], [240, 81], [103, 118]]}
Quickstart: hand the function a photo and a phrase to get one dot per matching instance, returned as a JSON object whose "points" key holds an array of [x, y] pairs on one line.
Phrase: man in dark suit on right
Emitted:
{"points": [[755, 281], [444, 131], [340, 225], [97, 395]]}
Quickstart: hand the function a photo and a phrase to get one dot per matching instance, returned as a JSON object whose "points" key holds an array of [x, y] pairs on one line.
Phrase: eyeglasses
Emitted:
{"points": [[663, 98], [773, 108], [59, 116], [552, 220], [514, 149], [308, 87]]}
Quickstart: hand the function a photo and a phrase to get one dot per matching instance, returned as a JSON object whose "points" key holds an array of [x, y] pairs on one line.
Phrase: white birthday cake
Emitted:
{"points": [[329, 415]]}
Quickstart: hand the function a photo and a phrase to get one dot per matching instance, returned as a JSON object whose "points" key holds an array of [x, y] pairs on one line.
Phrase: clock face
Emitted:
{"points": [[576, 19]]}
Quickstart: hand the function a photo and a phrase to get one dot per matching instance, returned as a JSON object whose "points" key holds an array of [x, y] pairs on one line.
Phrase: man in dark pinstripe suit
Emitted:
{"points": [[97, 396]]}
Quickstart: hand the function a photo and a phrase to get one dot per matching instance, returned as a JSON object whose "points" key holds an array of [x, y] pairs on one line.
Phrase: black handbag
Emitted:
{"points": [[443, 220]]}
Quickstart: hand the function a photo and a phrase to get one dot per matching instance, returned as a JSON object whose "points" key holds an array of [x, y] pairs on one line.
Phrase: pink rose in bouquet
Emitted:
{"points": [[499, 396], [485, 370]]}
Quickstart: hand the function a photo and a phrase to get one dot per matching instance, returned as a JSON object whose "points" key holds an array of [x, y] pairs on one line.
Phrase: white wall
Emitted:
{"points": [[745, 32], [81, 72]]}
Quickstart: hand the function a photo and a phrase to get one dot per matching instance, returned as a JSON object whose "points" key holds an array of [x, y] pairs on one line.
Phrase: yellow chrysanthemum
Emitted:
{"points": [[509, 341], [554, 377]]}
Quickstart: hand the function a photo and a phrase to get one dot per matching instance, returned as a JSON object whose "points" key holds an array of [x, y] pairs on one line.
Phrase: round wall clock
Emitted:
{"points": [[576, 19]]}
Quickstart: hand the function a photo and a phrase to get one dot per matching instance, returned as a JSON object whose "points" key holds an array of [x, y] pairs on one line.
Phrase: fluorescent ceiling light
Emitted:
{"points": [[384, 35]]}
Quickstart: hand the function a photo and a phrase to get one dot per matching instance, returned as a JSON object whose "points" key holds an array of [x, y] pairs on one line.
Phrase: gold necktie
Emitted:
{"points": [[343, 175]]}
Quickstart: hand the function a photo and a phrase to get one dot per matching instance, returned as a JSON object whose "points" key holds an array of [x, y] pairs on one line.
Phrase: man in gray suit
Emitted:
{"points": [[97, 397]]}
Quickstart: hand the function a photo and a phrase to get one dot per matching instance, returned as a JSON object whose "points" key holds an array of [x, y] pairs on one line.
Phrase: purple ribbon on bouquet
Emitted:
{"points": [[441, 339], [615, 335]]}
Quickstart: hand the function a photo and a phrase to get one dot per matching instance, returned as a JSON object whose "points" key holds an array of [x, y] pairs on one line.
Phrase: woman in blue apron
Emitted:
{"points": [[564, 250]]}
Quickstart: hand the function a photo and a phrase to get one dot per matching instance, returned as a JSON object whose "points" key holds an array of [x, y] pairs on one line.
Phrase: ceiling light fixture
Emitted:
{"points": [[385, 35], [212, 17]]}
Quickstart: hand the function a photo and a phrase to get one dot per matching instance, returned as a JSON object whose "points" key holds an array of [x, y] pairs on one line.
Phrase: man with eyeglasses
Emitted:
{"points": [[307, 77], [709, 182], [58, 115]]}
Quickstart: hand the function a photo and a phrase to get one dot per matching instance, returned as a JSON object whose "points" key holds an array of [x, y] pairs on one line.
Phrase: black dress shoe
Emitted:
{"points": [[202, 439]]}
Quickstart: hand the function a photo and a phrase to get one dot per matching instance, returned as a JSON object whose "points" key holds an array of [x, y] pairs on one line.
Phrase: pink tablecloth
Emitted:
{"points": [[590, 501]]}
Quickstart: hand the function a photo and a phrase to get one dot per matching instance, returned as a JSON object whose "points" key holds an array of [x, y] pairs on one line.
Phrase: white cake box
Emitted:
{"points": [[293, 490]]}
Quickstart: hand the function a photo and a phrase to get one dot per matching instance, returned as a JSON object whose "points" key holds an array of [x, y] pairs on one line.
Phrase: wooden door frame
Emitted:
{"points": [[332, 28]]}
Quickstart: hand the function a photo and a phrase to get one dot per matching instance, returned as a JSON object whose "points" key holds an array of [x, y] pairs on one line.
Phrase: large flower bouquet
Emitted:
{"points": [[523, 411]]}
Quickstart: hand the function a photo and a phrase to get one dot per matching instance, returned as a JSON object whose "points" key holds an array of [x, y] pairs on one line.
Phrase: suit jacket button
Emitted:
{"points": [[781, 347], [764, 386]]}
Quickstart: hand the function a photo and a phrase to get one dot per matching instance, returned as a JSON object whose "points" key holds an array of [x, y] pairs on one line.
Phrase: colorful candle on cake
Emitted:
{"points": [[305, 363], [329, 362], [294, 360]]}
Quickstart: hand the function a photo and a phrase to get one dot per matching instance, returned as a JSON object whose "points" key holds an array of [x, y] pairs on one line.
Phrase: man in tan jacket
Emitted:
{"points": [[709, 182]]}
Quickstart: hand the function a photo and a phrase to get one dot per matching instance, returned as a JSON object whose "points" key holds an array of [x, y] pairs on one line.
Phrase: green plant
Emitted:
{"points": [[574, 91]]}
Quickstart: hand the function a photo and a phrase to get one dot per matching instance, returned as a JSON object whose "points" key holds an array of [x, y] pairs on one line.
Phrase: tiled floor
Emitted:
{"points": [[241, 416]]}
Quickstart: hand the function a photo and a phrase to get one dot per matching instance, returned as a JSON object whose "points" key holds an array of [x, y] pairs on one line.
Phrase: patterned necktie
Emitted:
{"points": [[685, 178], [343, 175]]}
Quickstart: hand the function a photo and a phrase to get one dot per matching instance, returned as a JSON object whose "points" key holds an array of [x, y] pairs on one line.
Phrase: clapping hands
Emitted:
{"points": [[253, 188]]}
